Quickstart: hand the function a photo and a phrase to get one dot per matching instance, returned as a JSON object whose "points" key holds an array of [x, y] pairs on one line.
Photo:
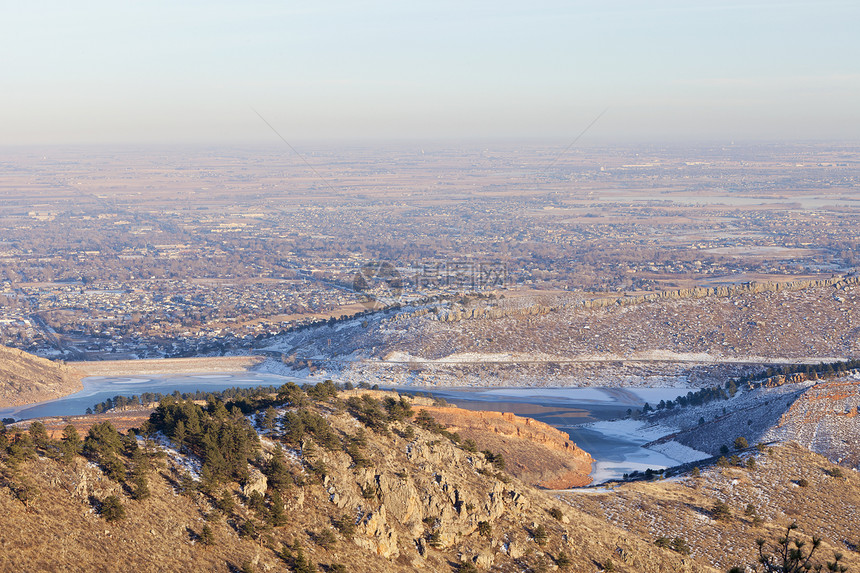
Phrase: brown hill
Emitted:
{"points": [[25, 378], [820, 415], [696, 336], [417, 502]]}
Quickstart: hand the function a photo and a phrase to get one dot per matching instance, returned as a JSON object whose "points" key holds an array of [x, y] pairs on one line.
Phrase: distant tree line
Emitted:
{"points": [[147, 398], [798, 372]]}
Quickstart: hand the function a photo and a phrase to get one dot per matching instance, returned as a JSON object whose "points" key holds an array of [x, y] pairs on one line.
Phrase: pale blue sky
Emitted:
{"points": [[165, 71]]}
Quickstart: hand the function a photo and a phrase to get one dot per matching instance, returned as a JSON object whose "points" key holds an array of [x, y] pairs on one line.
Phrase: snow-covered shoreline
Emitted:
{"points": [[639, 432]]}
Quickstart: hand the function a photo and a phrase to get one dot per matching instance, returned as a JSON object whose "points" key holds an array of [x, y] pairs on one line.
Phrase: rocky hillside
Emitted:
{"points": [[367, 482], [331, 483], [824, 420], [696, 336], [25, 378]]}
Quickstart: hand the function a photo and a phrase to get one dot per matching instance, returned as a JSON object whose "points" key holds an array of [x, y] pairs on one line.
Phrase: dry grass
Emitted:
{"points": [[828, 507]]}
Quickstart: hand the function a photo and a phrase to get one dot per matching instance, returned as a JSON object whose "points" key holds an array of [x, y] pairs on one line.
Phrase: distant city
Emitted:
{"points": [[132, 253]]}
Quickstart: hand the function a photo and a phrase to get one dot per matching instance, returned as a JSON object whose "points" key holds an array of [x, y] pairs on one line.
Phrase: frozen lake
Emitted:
{"points": [[567, 409], [99, 388]]}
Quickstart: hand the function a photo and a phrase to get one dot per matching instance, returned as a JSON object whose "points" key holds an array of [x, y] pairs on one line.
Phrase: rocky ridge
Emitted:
{"points": [[694, 336]]}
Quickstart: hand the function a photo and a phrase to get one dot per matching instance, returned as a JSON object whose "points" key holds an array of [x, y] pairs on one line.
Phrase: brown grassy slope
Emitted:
{"points": [[121, 420], [828, 507], [25, 378], [812, 322], [534, 452], [61, 532]]}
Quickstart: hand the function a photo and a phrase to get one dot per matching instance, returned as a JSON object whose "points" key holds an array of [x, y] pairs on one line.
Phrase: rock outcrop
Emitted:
{"points": [[535, 452]]}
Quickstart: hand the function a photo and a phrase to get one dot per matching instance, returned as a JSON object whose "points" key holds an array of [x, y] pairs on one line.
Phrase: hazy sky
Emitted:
{"points": [[168, 71]]}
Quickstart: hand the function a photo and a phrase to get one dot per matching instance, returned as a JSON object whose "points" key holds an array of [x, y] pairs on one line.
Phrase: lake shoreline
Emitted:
{"points": [[581, 412]]}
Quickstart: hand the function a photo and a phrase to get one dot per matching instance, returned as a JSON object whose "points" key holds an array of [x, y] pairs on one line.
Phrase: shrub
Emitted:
{"points": [[346, 526], [485, 529], [720, 511], [225, 503], [555, 513], [563, 561], [248, 530], [24, 492], [112, 509], [206, 536], [836, 473], [741, 443], [680, 545], [803, 482], [141, 487], [325, 538], [435, 539], [540, 535]]}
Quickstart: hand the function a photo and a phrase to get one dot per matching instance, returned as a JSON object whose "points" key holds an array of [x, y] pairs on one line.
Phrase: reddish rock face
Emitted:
{"points": [[534, 452]]}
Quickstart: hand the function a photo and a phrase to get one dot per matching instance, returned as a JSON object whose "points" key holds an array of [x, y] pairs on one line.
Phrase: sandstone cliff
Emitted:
{"points": [[536, 452]]}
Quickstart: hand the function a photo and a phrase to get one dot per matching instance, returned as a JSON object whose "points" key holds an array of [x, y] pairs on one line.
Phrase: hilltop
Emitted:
{"points": [[25, 378], [372, 481]]}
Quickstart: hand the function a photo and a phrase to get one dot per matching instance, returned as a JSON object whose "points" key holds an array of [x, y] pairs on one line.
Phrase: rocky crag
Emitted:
{"points": [[384, 497]]}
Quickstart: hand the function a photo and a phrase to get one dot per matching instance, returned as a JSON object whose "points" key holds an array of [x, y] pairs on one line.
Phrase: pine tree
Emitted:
{"points": [[790, 556], [206, 535], [39, 435], [277, 515], [112, 509], [71, 444]]}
